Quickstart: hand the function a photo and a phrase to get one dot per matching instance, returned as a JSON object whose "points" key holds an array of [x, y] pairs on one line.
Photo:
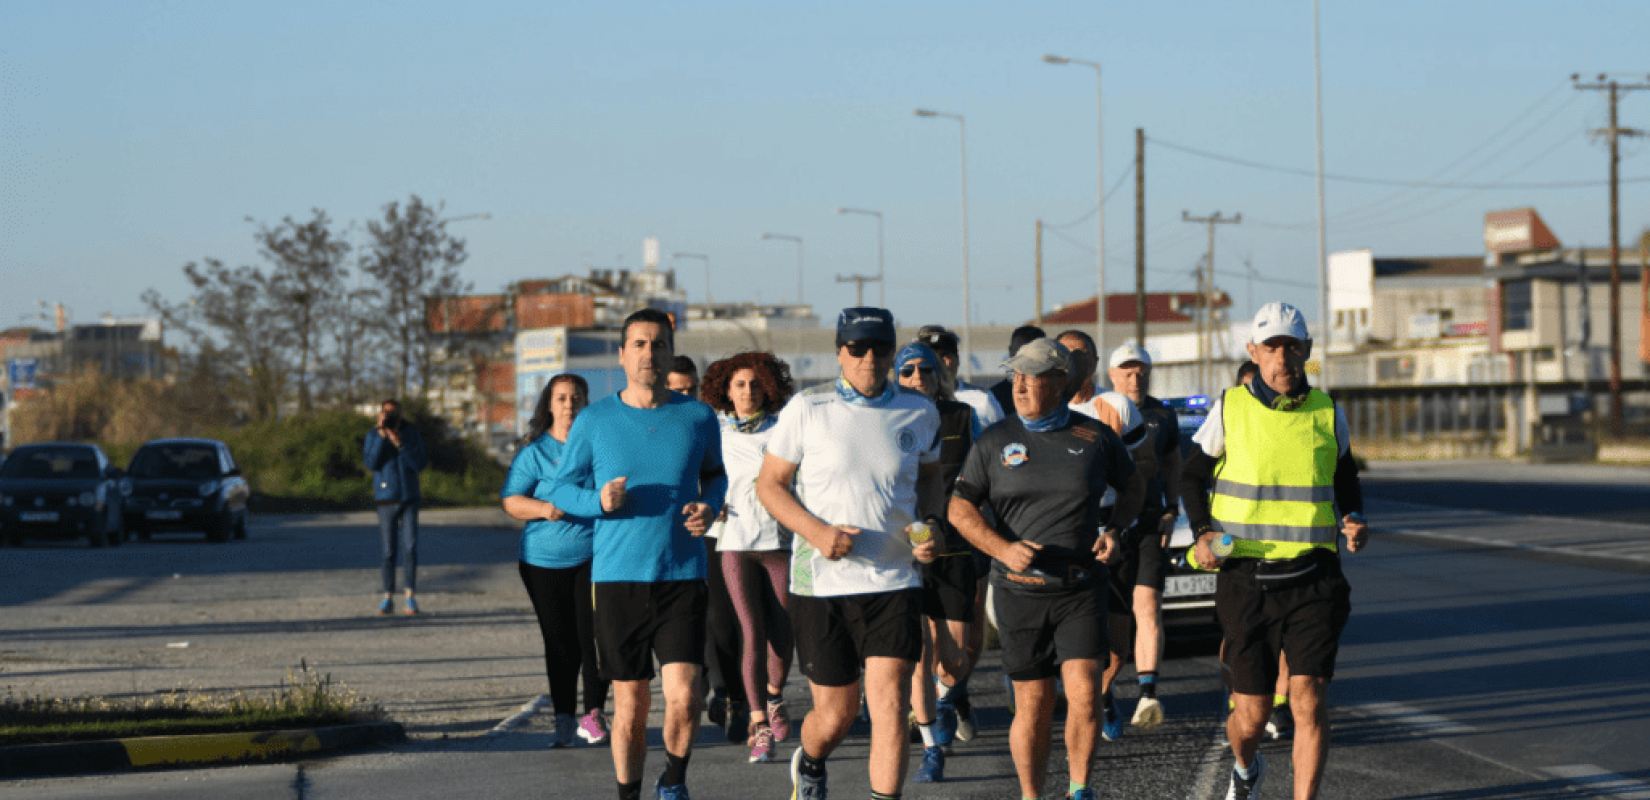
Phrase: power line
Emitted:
{"points": [[1090, 215], [1384, 181]]}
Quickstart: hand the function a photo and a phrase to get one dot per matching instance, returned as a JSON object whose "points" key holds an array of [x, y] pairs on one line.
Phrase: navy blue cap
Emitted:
{"points": [[865, 324]]}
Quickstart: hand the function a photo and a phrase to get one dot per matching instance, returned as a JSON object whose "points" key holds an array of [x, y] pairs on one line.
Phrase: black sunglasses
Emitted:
{"points": [[879, 349], [906, 372]]}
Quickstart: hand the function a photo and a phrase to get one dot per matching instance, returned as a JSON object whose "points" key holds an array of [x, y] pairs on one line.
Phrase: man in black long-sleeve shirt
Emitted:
{"points": [[1276, 456]]}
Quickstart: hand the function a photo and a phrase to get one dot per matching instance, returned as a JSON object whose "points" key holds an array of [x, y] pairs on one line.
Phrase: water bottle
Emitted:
{"points": [[919, 533], [1221, 547]]}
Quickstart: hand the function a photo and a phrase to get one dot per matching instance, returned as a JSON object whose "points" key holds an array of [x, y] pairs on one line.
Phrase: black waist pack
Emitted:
{"points": [[1301, 570], [1057, 572]]}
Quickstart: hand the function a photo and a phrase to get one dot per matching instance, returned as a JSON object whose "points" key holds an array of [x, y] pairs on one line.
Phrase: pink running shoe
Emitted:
{"points": [[778, 721], [593, 728], [762, 745]]}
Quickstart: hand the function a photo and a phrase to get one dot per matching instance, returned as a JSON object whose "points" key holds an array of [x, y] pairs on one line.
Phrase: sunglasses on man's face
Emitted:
{"points": [[907, 372], [879, 349]]}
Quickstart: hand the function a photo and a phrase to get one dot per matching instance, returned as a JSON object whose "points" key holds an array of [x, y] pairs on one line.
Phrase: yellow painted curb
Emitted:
{"points": [[157, 750]]}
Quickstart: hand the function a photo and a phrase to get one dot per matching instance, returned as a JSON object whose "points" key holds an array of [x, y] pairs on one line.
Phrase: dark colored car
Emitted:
{"points": [[59, 491], [1188, 594], [185, 485]]}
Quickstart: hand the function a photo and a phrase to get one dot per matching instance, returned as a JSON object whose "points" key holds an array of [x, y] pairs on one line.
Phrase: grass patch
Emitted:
{"points": [[304, 699]]}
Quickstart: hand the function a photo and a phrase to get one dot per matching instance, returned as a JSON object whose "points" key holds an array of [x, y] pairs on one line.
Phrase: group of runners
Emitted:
{"points": [[870, 525]]}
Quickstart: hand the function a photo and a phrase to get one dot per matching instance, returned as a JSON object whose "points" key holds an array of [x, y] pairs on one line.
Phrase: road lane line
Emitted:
{"points": [[526, 711], [1596, 780], [1565, 551], [1416, 719]]}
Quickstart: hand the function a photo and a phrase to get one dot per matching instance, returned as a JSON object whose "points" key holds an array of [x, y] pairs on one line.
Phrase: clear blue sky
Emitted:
{"points": [[138, 136]]}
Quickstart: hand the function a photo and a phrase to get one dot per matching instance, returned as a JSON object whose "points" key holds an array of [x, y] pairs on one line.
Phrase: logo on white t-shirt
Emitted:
{"points": [[1015, 455]]}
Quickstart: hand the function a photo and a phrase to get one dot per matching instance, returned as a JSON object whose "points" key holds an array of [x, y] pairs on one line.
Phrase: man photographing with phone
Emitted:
{"points": [[394, 452]]}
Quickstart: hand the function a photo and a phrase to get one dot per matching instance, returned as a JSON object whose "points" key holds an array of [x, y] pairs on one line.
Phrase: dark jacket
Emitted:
{"points": [[395, 469]]}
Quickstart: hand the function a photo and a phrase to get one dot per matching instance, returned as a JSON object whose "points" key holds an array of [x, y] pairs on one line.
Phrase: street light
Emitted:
{"points": [[705, 259], [881, 280], [1100, 213], [796, 368], [967, 364]]}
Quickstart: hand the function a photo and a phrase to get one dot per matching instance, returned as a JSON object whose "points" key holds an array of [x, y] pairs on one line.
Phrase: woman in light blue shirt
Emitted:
{"points": [[555, 562]]}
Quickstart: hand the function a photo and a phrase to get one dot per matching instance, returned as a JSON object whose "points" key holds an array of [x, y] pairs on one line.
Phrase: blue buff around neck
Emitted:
{"points": [[1052, 421]]}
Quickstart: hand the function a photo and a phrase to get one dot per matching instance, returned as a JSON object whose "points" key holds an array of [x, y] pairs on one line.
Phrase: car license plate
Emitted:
{"points": [[164, 513], [38, 516], [1186, 585]]}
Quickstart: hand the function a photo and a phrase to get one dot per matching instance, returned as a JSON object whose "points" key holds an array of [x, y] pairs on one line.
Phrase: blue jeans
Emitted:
{"points": [[398, 524]]}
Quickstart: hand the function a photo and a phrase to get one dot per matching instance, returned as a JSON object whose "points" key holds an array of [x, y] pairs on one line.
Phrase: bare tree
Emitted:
{"points": [[308, 284], [234, 314], [414, 261]]}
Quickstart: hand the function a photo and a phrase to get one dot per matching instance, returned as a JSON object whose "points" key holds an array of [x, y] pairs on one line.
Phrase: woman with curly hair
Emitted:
{"points": [[556, 552], [747, 392]]}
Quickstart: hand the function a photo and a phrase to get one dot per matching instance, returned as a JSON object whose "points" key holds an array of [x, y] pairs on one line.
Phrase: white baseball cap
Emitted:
{"points": [[1129, 352], [1278, 319]]}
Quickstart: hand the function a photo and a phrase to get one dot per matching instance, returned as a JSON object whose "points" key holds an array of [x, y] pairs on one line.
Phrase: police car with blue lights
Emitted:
{"points": [[1188, 594]]}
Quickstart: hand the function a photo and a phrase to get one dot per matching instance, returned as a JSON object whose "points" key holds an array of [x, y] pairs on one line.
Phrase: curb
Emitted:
{"points": [[150, 752]]}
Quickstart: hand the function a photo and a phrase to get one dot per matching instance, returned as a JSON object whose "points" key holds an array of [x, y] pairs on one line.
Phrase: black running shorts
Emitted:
{"points": [[1303, 618], [637, 621], [1039, 632], [948, 586], [834, 635]]}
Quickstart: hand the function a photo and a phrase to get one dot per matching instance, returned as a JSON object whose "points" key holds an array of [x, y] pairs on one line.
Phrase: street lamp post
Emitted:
{"points": [[797, 367], [967, 365], [882, 297], [705, 259], [1100, 213]]}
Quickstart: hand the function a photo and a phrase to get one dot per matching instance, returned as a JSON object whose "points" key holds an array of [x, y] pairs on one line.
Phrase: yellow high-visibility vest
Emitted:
{"points": [[1274, 488]]}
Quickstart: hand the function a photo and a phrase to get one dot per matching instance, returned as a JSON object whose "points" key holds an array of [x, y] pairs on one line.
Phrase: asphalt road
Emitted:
{"points": [[1495, 651]]}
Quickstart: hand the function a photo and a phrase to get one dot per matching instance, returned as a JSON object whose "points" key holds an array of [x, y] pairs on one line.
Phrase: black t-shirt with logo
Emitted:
{"points": [[1046, 487]]}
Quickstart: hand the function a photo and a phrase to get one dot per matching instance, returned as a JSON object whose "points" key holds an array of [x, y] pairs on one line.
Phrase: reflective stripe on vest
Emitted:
{"points": [[1274, 487]]}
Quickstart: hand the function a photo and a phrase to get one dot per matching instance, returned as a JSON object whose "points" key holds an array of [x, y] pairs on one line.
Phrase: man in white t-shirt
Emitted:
{"points": [[850, 467]]}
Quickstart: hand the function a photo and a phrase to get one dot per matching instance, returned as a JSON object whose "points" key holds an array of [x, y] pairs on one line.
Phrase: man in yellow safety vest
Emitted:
{"points": [[1270, 467]]}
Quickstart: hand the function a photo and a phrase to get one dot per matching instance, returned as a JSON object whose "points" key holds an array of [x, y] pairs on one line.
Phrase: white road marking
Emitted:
{"points": [[1416, 719], [526, 711], [1595, 780], [1629, 550]]}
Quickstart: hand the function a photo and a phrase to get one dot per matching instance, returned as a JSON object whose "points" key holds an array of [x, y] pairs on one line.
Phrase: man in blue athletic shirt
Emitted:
{"points": [[657, 457]]}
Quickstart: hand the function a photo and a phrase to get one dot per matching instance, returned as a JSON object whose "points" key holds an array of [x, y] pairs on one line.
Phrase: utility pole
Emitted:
{"points": [[1140, 237], [1038, 283], [859, 288], [1614, 133], [1206, 287]]}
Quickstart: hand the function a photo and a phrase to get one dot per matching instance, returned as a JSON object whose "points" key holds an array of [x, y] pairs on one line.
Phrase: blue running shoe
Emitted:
{"points": [[1081, 794], [945, 721], [933, 766], [409, 607], [386, 608], [1111, 727], [677, 792], [1249, 789], [802, 786]]}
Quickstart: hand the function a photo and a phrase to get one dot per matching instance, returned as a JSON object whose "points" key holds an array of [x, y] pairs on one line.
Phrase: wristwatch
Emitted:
{"points": [[1356, 517]]}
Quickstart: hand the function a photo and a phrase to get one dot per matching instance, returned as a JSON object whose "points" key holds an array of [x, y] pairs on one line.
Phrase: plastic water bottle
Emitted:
{"points": [[1221, 547], [919, 533]]}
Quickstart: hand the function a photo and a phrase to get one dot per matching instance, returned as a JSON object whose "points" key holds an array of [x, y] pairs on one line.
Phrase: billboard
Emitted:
{"points": [[540, 355]]}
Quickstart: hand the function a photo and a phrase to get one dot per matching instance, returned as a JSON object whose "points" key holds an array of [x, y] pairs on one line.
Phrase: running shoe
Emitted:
{"points": [[410, 607], [677, 792], [933, 766], [1112, 728], [945, 720], [762, 745], [965, 714], [739, 722], [1282, 723], [386, 608], [802, 786], [1084, 793], [1148, 714], [593, 728], [566, 729], [778, 720], [1247, 789], [717, 708]]}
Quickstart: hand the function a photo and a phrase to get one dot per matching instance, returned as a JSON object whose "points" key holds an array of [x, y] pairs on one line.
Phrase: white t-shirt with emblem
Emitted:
{"points": [[857, 465], [746, 525]]}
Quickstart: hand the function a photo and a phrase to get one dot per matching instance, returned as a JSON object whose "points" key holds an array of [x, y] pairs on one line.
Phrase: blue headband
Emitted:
{"points": [[919, 352]]}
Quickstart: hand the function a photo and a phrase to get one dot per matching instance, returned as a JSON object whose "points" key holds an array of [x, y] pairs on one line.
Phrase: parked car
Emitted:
{"points": [[60, 490], [185, 485], [1188, 594]]}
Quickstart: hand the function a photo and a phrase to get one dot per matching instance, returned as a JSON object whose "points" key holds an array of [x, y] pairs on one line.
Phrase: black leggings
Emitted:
{"points": [[562, 600]]}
